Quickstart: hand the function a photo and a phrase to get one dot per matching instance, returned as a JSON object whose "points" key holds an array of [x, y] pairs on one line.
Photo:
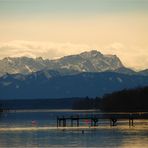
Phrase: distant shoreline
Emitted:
{"points": [[51, 110]]}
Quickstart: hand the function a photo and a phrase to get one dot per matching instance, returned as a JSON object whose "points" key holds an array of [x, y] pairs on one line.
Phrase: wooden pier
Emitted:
{"points": [[93, 120]]}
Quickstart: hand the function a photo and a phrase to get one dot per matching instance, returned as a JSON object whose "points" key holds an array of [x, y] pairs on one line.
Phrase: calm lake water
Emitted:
{"points": [[104, 136]]}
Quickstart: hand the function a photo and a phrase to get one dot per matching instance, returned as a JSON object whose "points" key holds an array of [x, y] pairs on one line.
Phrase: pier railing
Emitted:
{"points": [[75, 120]]}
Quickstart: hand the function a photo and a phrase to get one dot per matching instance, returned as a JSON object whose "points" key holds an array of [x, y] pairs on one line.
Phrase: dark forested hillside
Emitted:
{"points": [[51, 84], [126, 100], [131, 100]]}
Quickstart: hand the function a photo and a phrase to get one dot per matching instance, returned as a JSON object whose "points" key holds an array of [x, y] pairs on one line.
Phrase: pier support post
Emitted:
{"points": [[95, 121], [78, 122], [91, 122], [57, 121], [113, 122], [71, 121], [64, 122], [131, 120], [60, 122]]}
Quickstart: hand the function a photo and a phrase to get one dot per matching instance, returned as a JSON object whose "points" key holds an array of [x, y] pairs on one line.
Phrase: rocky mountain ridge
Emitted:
{"points": [[92, 61]]}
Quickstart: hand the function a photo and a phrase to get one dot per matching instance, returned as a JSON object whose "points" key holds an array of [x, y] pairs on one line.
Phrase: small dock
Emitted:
{"points": [[93, 120]]}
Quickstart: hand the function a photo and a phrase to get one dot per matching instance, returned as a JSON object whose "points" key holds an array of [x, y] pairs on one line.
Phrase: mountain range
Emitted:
{"points": [[92, 61], [87, 74]]}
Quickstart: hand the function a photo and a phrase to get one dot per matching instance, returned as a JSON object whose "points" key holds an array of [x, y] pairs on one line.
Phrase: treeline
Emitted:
{"points": [[133, 100], [63, 103], [126, 100], [87, 103]]}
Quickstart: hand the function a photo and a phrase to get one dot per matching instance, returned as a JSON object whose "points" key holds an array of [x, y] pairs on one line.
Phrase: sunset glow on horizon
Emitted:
{"points": [[55, 28]]}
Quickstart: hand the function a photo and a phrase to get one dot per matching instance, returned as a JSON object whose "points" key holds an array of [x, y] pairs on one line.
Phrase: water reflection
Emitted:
{"points": [[99, 138], [104, 136]]}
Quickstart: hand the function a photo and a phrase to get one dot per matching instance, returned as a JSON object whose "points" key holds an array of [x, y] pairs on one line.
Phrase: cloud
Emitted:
{"points": [[133, 57], [36, 49]]}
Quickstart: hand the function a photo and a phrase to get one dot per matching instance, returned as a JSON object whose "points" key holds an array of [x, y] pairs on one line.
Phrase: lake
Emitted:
{"points": [[37, 128]]}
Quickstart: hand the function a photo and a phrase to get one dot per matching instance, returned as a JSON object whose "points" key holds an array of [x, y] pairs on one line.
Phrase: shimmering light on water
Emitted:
{"points": [[103, 136]]}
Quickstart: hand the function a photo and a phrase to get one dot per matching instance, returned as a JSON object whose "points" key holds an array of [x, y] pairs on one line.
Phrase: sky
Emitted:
{"points": [[56, 28]]}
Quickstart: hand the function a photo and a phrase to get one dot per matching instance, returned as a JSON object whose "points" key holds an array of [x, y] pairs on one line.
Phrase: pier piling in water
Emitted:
{"points": [[93, 121], [131, 120]]}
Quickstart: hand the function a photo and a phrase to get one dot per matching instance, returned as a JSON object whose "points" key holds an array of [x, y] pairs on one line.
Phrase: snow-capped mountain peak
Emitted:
{"points": [[92, 61]]}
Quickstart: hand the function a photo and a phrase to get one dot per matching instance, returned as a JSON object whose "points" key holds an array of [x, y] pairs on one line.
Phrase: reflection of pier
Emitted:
{"points": [[93, 120]]}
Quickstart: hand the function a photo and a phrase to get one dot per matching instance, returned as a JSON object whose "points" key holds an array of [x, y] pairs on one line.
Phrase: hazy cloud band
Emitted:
{"points": [[51, 50]]}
